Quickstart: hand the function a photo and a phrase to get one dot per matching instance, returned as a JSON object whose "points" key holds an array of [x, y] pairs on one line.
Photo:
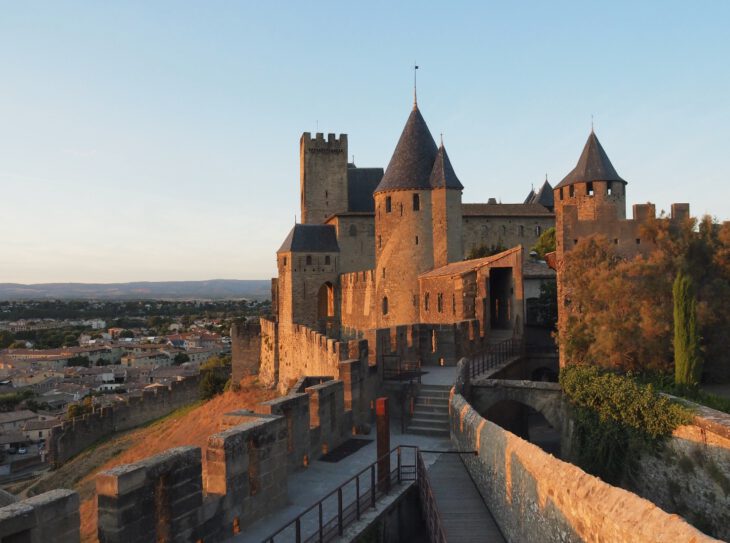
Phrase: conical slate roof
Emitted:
{"points": [[443, 175], [530, 196], [593, 165], [412, 161], [544, 196]]}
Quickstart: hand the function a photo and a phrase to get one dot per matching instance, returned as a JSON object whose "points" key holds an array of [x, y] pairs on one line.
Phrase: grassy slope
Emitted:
{"points": [[188, 426]]}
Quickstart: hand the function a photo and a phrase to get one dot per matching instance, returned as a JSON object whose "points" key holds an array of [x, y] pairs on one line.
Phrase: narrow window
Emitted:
{"points": [[561, 193], [571, 191], [309, 260], [416, 202], [380, 242], [326, 194], [589, 189], [353, 230], [385, 305], [387, 204], [615, 241], [453, 304], [638, 241], [284, 261], [327, 260], [609, 188], [440, 302], [415, 300], [575, 242], [538, 230], [416, 240], [425, 302], [383, 273]]}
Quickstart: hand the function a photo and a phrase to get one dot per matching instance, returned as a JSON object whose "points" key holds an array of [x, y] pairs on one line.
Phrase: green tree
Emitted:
{"points": [[485, 250], [126, 334], [687, 358], [180, 358], [545, 243], [6, 339]]}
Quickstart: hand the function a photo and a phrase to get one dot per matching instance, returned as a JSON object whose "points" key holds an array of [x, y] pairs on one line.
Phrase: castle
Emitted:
{"points": [[591, 200], [380, 255]]}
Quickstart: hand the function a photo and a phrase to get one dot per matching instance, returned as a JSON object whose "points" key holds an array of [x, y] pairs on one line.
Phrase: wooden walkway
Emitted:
{"points": [[464, 515]]}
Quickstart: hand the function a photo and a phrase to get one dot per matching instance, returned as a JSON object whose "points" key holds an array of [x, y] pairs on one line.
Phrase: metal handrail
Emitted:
{"points": [[335, 526], [495, 355]]}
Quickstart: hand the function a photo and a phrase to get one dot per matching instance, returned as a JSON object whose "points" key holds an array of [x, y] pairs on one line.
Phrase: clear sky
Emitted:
{"points": [[159, 140]]}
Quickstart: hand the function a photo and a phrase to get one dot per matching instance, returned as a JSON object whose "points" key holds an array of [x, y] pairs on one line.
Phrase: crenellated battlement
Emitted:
{"points": [[72, 436], [318, 143]]}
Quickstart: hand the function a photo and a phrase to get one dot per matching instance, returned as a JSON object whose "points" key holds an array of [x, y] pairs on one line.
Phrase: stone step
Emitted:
{"points": [[435, 416], [430, 423], [431, 408], [444, 394], [428, 400], [428, 431]]}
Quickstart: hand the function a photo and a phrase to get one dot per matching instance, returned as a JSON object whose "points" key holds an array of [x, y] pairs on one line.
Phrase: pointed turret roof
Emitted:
{"points": [[544, 196], [443, 175], [530, 196], [412, 161], [593, 165]]}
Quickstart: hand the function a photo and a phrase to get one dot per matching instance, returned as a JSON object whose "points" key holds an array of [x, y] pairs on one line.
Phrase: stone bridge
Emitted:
{"points": [[546, 398]]}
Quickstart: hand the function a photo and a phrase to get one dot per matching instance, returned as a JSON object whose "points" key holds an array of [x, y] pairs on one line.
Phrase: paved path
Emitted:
{"points": [[464, 514], [307, 486]]}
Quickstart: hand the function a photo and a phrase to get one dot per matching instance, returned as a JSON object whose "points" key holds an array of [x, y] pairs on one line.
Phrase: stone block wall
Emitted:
{"points": [[690, 476], [536, 497], [156, 499], [51, 516], [358, 300], [245, 349], [71, 437], [185, 495]]}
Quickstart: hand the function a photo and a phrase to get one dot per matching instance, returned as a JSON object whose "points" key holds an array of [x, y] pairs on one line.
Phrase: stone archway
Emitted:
{"points": [[325, 302]]}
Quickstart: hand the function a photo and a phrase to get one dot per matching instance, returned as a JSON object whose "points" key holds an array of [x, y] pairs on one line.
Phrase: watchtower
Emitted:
{"points": [[323, 176]]}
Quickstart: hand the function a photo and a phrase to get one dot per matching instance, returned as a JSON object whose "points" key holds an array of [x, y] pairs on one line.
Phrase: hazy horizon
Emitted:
{"points": [[159, 141]]}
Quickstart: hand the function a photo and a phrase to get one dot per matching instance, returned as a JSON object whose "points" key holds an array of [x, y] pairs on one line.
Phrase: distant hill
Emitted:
{"points": [[215, 289]]}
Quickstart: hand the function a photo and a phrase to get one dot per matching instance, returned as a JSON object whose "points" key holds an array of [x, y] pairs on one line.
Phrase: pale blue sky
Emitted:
{"points": [[159, 140]]}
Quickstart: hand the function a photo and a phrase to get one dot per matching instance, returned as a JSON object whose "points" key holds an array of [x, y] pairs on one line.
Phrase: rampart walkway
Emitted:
{"points": [[464, 515]]}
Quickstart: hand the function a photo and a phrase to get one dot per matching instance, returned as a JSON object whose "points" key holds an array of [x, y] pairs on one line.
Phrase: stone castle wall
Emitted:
{"points": [[71, 437], [533, 496], [51, 516], [358, 300], [245, 350], [447, 223], [690, 476], [356, 239], [495, 231]]}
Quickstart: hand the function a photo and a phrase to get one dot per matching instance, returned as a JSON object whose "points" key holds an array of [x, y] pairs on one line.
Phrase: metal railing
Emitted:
{"points": [[397, 369], [494, 356], [327, 519]]}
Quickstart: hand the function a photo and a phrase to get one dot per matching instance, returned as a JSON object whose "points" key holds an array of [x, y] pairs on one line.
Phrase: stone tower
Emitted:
{"points": [[591, 199], [446, 211], [323, 176], [417, 221], [592, 191], [308, 263]]}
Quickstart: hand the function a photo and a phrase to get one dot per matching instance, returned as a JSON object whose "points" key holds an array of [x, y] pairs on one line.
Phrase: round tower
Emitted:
{"points": [[592, 191], [404, 243]]}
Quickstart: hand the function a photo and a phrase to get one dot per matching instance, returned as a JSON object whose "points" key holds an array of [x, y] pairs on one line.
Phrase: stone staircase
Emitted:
{"points": [[431, 411]]}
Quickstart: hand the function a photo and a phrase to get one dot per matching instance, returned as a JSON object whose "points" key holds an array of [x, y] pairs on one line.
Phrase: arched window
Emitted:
{"points": [[353, 230], [309, 260], [385, 305]]}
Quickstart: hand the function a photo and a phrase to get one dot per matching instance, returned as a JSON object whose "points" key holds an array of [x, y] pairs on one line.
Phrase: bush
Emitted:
{"points": [[616, 418]]}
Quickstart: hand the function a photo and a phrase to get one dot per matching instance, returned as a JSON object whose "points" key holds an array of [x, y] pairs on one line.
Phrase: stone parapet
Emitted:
{"points": [[51, 516]]}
